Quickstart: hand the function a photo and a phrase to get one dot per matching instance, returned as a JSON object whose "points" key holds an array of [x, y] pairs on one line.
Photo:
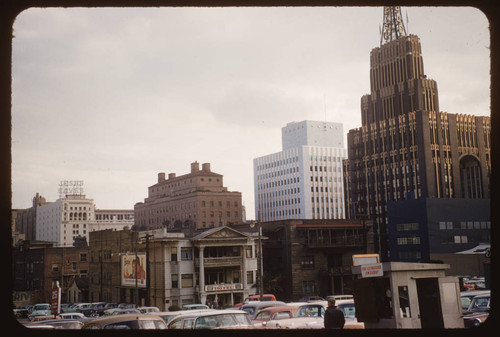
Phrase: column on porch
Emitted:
{"points": [[244, 270], [203, 294]]}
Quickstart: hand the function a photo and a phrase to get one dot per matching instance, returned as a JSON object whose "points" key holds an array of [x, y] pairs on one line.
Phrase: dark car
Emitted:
{"points": [[478, 311]]}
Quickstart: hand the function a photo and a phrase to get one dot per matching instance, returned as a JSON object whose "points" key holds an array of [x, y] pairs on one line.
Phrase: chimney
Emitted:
{"points": [[206, 167], [195, 167], [171, 175], [161, 177]]}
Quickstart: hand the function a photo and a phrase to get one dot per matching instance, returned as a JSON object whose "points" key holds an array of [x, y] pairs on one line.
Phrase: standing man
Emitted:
{"points": [[334, 317]]}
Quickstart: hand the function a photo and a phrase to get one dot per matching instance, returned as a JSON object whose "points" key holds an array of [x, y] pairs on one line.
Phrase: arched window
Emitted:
{"points": [[470, 178]]}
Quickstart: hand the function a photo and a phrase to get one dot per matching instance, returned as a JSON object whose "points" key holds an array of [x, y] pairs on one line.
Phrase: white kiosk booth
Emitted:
{"points": [[406, 295]]}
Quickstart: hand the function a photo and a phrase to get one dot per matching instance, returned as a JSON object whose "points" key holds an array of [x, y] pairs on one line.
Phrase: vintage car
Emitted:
{"points": [[126, 322], [215, 319], [195, 306], [340, 297], [75, 316], [40, 309], [303, 322], [145, 310], [66, 324], [254, 306], [274, 313], [167, 316], [479, 303], [467, 296], [478, 311]]}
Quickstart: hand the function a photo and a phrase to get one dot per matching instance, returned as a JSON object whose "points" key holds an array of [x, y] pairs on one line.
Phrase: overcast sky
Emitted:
{"points": [[115, 96]]}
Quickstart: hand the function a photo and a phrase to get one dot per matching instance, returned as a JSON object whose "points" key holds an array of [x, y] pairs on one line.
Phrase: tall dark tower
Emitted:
{"points": [[406, 148]]}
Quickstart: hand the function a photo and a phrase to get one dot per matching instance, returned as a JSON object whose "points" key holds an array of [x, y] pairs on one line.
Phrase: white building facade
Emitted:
{"points": [[304, 180], [64, 220], [75, 216], [219, 264]]}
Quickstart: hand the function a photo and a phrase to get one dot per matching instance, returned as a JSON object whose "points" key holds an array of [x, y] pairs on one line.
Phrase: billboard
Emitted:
{"points": [[133, 270]]}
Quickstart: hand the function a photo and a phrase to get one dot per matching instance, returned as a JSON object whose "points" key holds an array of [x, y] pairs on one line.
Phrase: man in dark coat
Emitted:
{"points": [[334, 317]]}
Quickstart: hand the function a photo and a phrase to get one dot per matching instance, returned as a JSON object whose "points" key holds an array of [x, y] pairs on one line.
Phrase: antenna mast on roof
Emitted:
{"points": [[393, 25]]}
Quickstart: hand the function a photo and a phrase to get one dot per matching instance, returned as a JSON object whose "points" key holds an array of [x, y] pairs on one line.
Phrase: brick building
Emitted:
{"points": [[312, 257], [197, 199], [105, 250], [37, 265]]}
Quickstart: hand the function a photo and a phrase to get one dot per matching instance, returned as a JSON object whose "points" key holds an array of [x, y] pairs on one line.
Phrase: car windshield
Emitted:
{"points": [[250, 310]]}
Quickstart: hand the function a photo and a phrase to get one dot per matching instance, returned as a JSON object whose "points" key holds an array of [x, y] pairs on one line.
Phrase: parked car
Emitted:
{"points": [[216, 319], [125, 322], [339, 297], [480, 303], [95, 310], [311, 299], [254, 306], [349, 310], [195, 306], [23, 311], [315, 309], [467, 296], [118, 311], [265, 297], [167, 316], [80, 307], [75, 316], [127, 306], [274, 313], [66, 324], [40, 309], [145, 310], [303, 322]]}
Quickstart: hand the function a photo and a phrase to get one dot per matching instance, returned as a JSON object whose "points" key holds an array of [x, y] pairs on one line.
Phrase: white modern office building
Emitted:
{"points": [[304, 180]]}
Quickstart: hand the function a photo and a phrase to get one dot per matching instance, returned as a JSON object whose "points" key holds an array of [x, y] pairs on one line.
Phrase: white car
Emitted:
{"points": [[215, 319], [146, 310], [303, 322]]}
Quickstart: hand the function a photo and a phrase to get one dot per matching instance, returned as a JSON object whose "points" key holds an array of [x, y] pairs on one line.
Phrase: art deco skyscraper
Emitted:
{"points": [[406, 148]]}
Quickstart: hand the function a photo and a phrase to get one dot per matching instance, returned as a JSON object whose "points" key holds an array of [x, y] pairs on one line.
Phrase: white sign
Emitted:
{"points": [[372, 270]]}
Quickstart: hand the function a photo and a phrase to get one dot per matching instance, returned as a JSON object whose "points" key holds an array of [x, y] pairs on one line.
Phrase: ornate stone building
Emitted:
{"points": [[406, 147]]}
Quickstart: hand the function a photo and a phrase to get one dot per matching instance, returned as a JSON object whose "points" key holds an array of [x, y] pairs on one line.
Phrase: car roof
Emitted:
{"points": [[280, 308], [124, 317], [258, 304]]}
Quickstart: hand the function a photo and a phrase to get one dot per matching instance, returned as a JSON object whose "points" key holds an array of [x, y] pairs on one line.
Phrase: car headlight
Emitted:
{"points": [[278, 326]]}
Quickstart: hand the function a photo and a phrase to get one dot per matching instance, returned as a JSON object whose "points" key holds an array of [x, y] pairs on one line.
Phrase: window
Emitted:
{"points": [[186, 253], [173, 255], [307, 262], [175, 281], [186, 281], [309, 287], [250, 277]]}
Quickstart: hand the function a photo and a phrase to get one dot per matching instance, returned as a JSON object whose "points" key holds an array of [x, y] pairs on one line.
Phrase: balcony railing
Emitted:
{"points": [[223, 287], [219, 261]]}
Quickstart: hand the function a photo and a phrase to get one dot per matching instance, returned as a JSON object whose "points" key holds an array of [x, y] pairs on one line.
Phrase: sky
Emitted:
{"points": [[114, 96]]}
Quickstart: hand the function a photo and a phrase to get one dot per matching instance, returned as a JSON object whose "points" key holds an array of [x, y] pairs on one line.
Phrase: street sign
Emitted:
{"points": [[372, 270]]}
